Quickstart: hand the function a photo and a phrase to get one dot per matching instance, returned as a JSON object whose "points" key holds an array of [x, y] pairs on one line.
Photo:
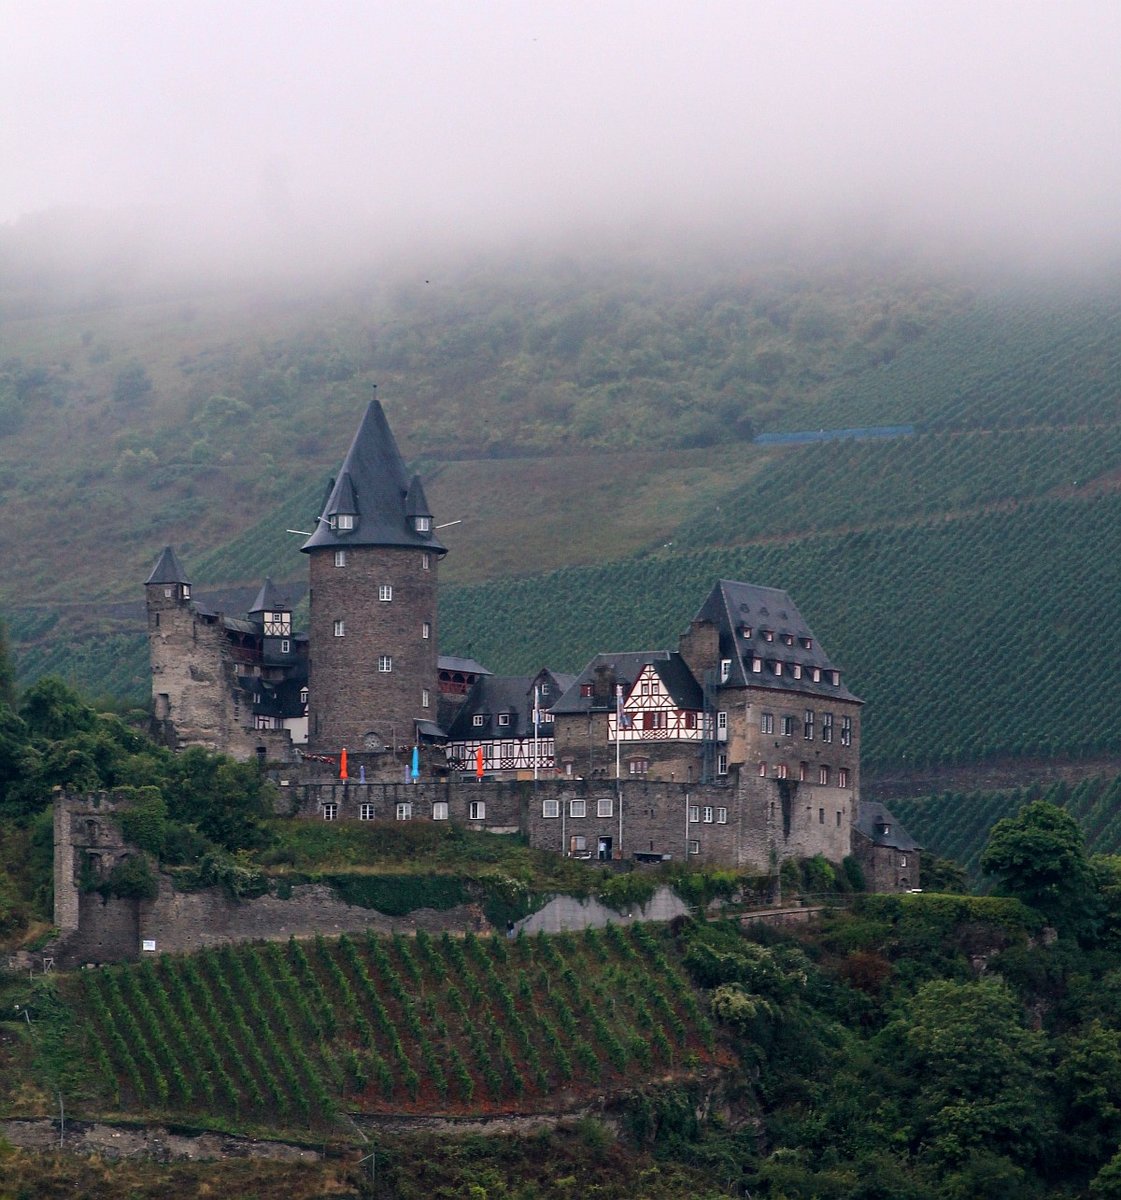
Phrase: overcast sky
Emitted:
{"points": [[981, 120]]}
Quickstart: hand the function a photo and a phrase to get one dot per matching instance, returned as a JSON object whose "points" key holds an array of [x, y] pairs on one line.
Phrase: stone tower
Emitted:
{"points": [[373, 559]]}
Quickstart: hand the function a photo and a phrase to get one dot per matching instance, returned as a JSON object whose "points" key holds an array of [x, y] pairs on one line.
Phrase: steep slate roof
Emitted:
{"points": [[873, 817], [167, 569], [269, 599], [678, 681], [627, 667], [733, 606], [491, 695], [468, 666], [374, 485]]}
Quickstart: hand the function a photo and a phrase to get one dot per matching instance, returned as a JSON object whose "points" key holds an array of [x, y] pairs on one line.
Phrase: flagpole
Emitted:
{"points": [[536, 729], [618, 727]]}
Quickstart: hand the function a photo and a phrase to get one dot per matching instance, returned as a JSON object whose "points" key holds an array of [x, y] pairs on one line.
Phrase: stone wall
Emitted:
{"points": [[885, 868]]}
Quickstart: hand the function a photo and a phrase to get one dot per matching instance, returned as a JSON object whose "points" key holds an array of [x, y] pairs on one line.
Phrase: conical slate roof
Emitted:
{"points": [[269, 599], [168, 569], [374, 486]]}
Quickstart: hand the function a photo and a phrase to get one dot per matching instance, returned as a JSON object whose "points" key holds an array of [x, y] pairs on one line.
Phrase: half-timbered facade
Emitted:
{"points": [[504, 729]]}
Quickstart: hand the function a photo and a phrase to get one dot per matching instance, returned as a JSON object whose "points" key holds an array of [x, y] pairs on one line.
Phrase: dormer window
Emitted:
{"points": [[836, 678], [303, 695], [768, 635], [725, 669], [185, 591], [504, 718], [585, 691], [423, 524], [806, 643], [797, 669], [478, 720], [757, 665], [788, 639], [747, 631]]}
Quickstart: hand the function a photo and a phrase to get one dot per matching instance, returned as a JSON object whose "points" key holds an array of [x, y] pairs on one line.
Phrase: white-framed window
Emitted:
{"points": [[725, 669], [440, 810], [365, 812], [766, 722], [823, 774], [757, 665], [708, 815], [340, 558], [843, 777], [803, 772], [903, 860], [477, 810], [768, 635], [721, 720], [425, 630], [577, 843], [694, 813], [423, 524], [781, 771], [385, 663], [762, 769], [694, 846], [385, 591], [424, 698], [605, 806], [425, 561], [826, 727], [778, 666], [285, 646], [788, 639], [638, 766], [404, 812], [576, 808], [808, 724], [478, 720], [168, 592], [504, 718], [722, 764], [303, 695], [507, 750], [836, 678], [330, 811], [340, 628], [817, 674], [846, 731], [788, 725], [345, 520], [569, 768], [550, 808], [722, 816], [806, 643]]}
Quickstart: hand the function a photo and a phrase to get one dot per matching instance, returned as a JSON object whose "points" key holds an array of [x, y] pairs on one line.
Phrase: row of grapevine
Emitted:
{"points": [[956, 825], [437, 1023]]}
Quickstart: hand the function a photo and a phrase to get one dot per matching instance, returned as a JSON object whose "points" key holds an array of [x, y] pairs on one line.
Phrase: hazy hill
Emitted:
{"points": [[574, 416]]}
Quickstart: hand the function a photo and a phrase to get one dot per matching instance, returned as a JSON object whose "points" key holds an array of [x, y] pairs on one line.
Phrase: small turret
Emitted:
{"points": [[168, 575]]}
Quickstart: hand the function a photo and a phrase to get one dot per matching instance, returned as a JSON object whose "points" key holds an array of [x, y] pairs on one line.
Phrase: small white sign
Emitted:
{"points": [[149, 944]]}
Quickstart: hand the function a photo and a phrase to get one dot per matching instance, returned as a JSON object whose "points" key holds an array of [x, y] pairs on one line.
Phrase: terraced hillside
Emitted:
{"points": [[295, 1033]]}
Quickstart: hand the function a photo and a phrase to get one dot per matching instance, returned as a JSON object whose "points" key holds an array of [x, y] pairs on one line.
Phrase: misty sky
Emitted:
{"points": [[981, 119]]}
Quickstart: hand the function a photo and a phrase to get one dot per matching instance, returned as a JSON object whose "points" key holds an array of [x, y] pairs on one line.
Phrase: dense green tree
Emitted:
{"points": [[225, 800], [7, 671], [1039, 856]]}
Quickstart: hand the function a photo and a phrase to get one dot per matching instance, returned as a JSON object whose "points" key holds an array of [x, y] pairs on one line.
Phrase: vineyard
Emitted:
{"points": [[957, 824], [298, 1032]]}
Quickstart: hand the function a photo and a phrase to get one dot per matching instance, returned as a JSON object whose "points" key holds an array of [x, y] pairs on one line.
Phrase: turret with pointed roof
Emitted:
{"points": [[373, 558]]}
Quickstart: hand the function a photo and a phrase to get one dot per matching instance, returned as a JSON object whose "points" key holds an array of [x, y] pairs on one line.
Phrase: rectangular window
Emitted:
{"points": [[903, 860], [330, 812], [708, 815], [385, 663], [762, 769], [757, 665], [808, 725], [477, 720], [504, 718], [576, 808], [694, 847], [725, 669], [823, 774], [803, 772], [385, 591], [285, 646], [821, 816], [507, 749], [838, 818], [638, 766], [440, 810], [766, 722], [781, 771], [768, 635], [425, 630], [340, 558], [722, 764], [722, 816], [843, 777], [477, 810], [721, 720], [577, 843], [826, 727], [424, 524], [694, 813], [846, 731], [340, 629], [605, 806], [404, 812], [345, 520], [817, 674], [585, 691], [788, 726], [425, 561], [424, 698], [365, 812], [836, 678], [550, 808], [797, 669]]}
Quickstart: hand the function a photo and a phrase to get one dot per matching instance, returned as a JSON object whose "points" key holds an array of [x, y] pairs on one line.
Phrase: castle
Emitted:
{"points": [[740, 746]]}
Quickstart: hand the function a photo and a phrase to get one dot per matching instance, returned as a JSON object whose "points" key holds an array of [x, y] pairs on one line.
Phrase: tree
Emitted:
{"points": [[1039, 856], [7, 671]]}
